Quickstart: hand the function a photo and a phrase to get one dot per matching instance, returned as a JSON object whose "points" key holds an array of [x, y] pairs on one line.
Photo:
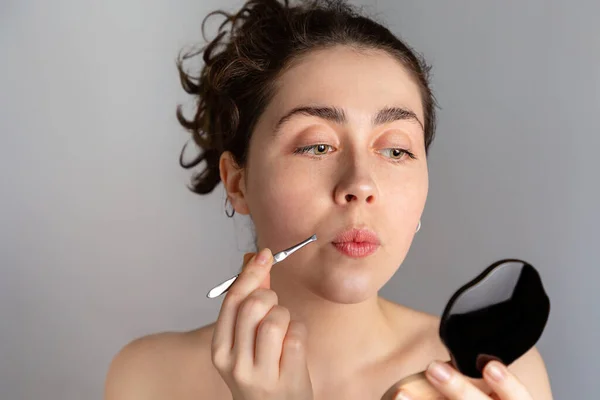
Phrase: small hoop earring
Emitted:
{"points": [[418, 227], [229, 214]]}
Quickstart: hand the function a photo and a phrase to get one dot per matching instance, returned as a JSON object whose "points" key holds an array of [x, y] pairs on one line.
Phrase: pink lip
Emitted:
{"points": [[356, 249], [357, 235], [356, 242]]}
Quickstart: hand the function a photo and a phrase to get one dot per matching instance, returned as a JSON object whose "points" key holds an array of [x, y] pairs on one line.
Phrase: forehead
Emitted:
{"points": [[358, 81]]}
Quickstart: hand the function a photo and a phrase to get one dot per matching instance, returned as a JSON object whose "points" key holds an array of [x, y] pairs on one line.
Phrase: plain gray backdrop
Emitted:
{"points": [[101, 242]]}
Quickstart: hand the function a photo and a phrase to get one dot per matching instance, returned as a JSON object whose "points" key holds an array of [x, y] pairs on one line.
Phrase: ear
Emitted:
{"points": [[232, 177]]}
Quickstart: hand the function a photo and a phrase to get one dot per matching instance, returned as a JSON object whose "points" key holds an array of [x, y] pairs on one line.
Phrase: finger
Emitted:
{"points": [[223, 335], [417, 386], [251, 312], [452, 384], [247, 258], [269, 340], [253, 274], [264, 284], [293, 367], [504, 383], [223, 331]]}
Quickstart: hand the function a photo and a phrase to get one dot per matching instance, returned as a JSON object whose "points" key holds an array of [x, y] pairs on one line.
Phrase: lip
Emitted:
{"points": [[356, 249], [358, 236]]}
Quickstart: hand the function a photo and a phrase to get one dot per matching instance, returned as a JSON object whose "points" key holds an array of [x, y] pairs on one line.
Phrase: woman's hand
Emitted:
{"points": [[257, 349], [453, 385]]}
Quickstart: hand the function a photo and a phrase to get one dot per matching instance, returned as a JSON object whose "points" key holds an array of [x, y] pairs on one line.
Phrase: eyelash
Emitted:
{"points": [[306, 149]]}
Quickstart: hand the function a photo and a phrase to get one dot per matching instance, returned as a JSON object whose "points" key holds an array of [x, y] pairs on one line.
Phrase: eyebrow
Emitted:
{"points": [[338, 115]]}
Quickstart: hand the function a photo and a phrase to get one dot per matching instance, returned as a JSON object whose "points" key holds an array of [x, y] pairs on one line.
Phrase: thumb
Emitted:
{"points": [[247, 257], [266, 284]]}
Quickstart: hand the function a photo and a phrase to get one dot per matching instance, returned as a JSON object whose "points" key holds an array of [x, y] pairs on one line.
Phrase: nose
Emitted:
{"points": [[356, 185]]}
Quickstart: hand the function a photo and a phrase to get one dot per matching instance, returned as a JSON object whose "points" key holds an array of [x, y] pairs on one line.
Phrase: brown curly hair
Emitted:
{"points": [[238, 77]]}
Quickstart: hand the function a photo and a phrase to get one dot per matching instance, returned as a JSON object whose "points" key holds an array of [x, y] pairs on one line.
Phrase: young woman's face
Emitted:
{"points": [[355, 171]]}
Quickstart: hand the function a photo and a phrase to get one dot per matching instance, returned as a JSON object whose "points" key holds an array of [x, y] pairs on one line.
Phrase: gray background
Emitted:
{"points": [[100, 241]]}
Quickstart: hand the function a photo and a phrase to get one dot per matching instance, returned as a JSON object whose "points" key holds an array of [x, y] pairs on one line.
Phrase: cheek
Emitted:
{"points": [[404, 204], [407, 190], [283, 202], [287, 184]]}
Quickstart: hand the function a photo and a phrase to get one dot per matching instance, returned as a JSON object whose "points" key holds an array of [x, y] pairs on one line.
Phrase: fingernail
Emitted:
{"points": [[402, 395], [263, 256], [495, 372], [440, 371]]}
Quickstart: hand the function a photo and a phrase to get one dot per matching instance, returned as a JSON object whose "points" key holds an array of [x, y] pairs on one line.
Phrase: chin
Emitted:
{"points": [[345, 296], [346, 289]]}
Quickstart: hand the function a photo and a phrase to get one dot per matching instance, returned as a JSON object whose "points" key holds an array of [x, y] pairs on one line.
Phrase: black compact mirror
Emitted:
{"points": [[499, 315]]}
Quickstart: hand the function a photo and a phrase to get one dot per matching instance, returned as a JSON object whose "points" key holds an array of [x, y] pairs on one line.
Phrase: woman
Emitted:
{"points": [[318, 121]]}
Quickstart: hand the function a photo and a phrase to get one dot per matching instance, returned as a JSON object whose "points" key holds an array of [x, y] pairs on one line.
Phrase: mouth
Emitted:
{"points": [[356, 242]]}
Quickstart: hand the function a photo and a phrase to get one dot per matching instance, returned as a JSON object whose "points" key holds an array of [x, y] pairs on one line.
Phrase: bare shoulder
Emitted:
{"points": [[530, 369], [168, 365]]}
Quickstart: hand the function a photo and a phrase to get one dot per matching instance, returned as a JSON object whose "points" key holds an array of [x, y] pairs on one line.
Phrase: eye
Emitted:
{"points": [[397, 153], [320, 149]]}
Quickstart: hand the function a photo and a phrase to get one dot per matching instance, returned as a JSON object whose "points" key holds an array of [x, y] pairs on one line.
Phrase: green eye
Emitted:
{"points": [[397, 153], [321, 149]]}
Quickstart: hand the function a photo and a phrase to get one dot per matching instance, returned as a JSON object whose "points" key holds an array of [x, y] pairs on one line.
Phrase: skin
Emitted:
{"points": [[292, 196], [358, 344]]}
